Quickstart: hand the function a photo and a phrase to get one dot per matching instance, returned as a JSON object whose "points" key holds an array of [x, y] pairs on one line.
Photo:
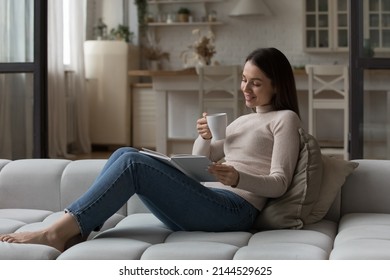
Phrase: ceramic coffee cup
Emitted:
{"points": [[217, 124]]}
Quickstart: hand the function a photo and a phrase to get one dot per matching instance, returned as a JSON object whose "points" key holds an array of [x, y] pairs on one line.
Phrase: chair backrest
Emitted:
{"points": [[219, 78], [328, 77], [328, 88]]}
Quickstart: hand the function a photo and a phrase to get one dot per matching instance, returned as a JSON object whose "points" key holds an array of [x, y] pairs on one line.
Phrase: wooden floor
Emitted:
{"points": [[94, 155], [98, 152]]}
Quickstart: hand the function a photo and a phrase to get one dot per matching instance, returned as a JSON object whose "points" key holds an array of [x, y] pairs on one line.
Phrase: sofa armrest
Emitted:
{"points": [[367, 189]]}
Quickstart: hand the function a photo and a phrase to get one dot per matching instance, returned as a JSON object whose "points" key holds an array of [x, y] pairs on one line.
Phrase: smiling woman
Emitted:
{"points": [[256, 86], [260, 152], [269, 81]]}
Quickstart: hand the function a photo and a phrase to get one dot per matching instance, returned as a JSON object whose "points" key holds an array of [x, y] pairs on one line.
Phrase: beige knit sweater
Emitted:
{"points": [[263, 147]]}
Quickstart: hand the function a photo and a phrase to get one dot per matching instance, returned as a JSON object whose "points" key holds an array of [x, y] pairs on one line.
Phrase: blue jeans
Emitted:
{"points": [[177, 200]]}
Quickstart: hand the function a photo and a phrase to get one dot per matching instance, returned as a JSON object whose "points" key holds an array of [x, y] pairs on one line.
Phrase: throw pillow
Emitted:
{"points": [[335, 172], [289, 210]]}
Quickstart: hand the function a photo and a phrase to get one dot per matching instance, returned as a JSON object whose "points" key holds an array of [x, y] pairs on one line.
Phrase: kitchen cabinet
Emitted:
{"points": [[106, 67], [377, 24], [326, 24]]}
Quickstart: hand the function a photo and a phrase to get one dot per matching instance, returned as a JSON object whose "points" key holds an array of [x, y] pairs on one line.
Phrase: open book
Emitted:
{"points": [[192, 165]]}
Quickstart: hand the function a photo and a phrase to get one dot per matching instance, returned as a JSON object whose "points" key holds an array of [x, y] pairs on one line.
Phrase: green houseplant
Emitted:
{"points": [[123, 33], [183, 14], [142, 10]]}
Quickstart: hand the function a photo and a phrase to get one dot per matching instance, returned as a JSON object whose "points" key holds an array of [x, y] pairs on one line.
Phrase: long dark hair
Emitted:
{"points": [[278, 69]]}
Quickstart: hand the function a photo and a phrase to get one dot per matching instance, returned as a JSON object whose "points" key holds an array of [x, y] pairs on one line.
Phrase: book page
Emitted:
{"points": [[155, 154], [193, 166]]}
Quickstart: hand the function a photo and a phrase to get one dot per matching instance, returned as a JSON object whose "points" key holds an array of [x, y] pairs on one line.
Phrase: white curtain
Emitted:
{"points": [[57, 94], [56, 82], [77, 88]]}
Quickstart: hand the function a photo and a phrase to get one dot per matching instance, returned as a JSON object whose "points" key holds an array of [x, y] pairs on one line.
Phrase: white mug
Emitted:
{"points": [[217, 124]]}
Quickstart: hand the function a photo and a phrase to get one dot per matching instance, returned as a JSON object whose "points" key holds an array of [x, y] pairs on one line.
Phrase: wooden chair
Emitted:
{"points": [[219, 90], [328, 89]]}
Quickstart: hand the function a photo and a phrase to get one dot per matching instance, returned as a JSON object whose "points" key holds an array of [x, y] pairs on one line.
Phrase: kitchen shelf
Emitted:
{"points": [[183, 1], [199, 23]]}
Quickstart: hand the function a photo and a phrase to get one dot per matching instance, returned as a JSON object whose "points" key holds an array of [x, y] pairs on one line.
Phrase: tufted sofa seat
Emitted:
{"points": [[34, 192]]}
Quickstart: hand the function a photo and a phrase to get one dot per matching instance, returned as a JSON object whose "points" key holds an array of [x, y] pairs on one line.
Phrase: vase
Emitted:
{"points": [[154, 65], [204, 61]]}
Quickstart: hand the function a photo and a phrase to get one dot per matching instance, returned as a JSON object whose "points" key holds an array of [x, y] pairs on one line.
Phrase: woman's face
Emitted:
{"points": [[256, 86]]}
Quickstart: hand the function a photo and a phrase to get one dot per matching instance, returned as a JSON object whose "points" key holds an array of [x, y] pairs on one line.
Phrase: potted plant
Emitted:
{"points": [[100, 30], [122, 33], [153, 52], [155, 55], [183, 14], [142, 10]]}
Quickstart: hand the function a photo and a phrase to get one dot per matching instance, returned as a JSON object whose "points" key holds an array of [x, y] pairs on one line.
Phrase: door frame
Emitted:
{"points": [[358, 63], [39, 70]]}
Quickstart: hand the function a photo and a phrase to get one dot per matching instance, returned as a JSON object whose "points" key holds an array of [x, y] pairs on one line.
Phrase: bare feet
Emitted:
{"points": [[43, 237], [61, 235]]}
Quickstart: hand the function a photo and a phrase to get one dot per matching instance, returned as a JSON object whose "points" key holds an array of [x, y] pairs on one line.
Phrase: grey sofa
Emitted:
{"points": [[34, 192]]}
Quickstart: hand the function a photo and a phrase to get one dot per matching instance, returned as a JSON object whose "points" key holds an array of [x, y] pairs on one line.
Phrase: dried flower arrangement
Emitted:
{"points": [[202, 49], [153, 51]]}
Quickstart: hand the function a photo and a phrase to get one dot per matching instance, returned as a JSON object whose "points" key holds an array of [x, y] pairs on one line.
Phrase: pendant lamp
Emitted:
{"points": [[251, 7]]}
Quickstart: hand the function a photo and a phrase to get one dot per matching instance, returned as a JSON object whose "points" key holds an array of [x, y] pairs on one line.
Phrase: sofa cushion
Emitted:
{"points": [[335, 171], [289, 210], [14, 251], [363, 236], [190, 250], [113, 248], [8, 225], [25, 215], [32, 184], [304, 236], [314, 242], [4, 162], [77, 177], [281, 251], [236, 238], [143, 227]]}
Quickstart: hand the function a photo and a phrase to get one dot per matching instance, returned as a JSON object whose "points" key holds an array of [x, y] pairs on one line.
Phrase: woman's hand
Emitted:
{"points": [[203, 128], [225, 174]]}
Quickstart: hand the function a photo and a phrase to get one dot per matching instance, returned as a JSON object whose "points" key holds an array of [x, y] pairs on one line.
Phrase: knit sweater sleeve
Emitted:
{"points": [[284, 156], [211, 149]]}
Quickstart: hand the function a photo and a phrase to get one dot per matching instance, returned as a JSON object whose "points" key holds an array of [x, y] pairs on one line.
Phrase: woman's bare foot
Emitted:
{"points": [[43, 237], [74, 240], [57, 235]]}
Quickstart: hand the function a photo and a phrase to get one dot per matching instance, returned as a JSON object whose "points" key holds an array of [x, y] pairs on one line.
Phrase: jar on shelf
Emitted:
{"points": [[212, 16]]}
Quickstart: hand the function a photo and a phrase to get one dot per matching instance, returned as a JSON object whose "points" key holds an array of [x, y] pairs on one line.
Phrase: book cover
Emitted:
{"points": [[193, 166]]}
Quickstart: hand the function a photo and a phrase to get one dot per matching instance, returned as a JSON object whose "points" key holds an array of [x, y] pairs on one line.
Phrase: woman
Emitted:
{"points": [[260, 151]]}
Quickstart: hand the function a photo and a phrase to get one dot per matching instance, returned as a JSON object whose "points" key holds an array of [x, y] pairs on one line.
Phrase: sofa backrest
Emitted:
{"points": [[46, 184], [32, 184], [367, 189], [51, 184]]}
